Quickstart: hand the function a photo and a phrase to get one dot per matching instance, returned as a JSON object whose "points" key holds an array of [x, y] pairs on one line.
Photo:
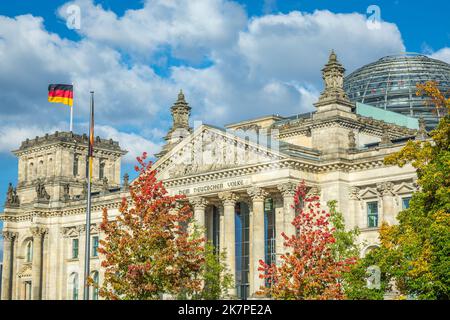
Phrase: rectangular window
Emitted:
{"points": [[74, 248], [95, 246], [27, 290], [372, 214], [405, 203]]}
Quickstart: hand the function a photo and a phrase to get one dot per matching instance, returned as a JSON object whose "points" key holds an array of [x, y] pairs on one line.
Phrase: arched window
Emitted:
{"points": [[95, 278], [41, 168], [101, 174], [29, 253], [74, 286]]}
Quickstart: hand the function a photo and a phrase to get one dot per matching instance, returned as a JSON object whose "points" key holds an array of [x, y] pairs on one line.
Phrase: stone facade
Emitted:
{"points": [[240, 182]]}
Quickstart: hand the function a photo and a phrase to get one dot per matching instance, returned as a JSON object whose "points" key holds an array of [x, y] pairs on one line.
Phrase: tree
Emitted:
{"points": [[311, 269], [147, 249], [416, 252], [214, 273]]}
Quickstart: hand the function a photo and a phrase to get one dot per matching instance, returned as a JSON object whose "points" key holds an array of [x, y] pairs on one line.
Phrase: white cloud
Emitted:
{"points": [[12, 136], [133, 143], [266, 65], [443, 54], [190, 28]]}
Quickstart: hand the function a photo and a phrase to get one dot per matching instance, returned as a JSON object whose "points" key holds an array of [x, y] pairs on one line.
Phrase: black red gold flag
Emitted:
{"points": [[61, 93]]}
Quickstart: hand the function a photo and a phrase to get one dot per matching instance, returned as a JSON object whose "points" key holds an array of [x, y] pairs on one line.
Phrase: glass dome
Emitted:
{"points": [[390, 83]]}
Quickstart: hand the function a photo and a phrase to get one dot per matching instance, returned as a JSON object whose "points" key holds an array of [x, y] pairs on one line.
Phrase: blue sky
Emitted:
{"points": [[234, 60]]}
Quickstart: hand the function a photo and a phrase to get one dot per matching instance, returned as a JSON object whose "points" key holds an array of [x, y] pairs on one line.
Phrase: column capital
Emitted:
{"points": [[38, 231], [228, 198], [287, 189], [257, 193], [198, 202], [9, 235]]}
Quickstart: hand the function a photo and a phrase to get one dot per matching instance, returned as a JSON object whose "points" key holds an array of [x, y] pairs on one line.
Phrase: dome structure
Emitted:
{"points": [[390, 84]]}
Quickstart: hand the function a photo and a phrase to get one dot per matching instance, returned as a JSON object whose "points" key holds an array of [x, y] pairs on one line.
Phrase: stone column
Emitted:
{"points": [[258, 244], [387, 196], [229, 200], [355, 216], [279, 225], [8, 260], [199, 205], [36, 278], [288, 191]]}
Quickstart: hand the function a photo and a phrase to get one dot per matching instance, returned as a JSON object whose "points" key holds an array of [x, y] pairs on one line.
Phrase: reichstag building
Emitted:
{"points": [[240, 180]]}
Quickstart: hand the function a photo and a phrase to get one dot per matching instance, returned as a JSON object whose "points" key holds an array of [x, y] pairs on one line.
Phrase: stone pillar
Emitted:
{"points": [[8, 260], [36, 278], [288, 191], [387, 196], [355, 216], [199, 205], [258, 244], [279, 225], [229, 200]]}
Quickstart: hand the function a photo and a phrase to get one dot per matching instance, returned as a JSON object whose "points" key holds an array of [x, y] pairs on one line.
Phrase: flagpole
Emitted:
{"points": [[71, 113], [88, 209], [71, 119]]}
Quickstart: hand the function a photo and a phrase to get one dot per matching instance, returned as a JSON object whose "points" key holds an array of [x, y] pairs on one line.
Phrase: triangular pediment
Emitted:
{"points": [[368, 193], [210, 149], [405, 188]]}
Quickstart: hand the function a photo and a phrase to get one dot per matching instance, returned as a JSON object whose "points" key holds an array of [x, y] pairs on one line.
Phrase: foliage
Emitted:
{"points": [[418, 248], [345, 245], [310, 269], [214, 273], [147, 250]]}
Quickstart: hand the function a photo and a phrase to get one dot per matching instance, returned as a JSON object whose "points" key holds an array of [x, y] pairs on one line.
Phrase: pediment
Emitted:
{"points": [[210, 149], [405, 188], [368, 193]]}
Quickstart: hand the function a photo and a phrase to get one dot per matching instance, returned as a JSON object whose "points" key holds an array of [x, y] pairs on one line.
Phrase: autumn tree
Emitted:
{"points": [[311, 268], [147, 250], [416, 252]]}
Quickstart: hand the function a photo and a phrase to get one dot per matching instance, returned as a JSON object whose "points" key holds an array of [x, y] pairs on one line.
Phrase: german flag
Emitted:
{"points": [[61, 93]]}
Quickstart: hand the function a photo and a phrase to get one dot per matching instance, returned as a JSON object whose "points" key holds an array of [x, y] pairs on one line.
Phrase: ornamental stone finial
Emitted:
{"points": [[180, 112], [126, 183], [422, 132], [385, 138], [333, 77]]}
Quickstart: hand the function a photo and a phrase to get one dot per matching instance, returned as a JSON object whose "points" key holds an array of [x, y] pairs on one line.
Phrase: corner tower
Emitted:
{"points": [[52, 168]]}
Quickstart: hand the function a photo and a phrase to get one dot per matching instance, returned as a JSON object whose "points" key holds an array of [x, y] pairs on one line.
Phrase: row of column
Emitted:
{"points": [[257, 227], [9, 256]]}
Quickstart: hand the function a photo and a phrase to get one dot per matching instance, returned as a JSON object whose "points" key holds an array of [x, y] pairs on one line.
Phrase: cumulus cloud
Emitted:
{"points": [[190, 28], [131, 142], [443, 54], [264, 65]]}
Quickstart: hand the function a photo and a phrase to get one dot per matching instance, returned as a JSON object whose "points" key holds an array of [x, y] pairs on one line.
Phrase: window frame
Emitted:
{"points": [[75, 249], [370, 214]]}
